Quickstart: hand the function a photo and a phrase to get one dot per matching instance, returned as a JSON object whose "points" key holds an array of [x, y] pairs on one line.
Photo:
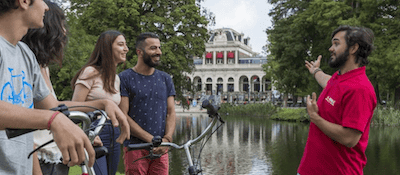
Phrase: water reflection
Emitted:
{"points": [[244, 146], [383, 151], [240, 147]]}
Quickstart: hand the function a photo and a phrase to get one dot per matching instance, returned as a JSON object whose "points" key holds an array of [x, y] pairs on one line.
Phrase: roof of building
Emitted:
{"points": [[226, 34]]}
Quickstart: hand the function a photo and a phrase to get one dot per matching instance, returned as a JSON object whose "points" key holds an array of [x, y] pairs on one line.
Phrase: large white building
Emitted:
{"points": [[230, 67]]}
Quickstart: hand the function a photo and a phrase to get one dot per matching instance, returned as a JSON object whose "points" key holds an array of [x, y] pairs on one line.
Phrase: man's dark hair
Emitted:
{"points": [[48, 42], [142, 37], [362, 36], [7, 5]]}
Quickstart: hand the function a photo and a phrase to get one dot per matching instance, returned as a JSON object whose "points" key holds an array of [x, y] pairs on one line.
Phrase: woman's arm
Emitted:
{"points": [[80, 93]]}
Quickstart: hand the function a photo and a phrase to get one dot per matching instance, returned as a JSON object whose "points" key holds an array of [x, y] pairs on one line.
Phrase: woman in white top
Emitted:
{"points": [[98, 80], [48, 44]]}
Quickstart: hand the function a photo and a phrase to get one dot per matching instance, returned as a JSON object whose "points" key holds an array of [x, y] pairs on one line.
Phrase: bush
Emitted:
{"points": [[389, 116], [291, 114], [252, 110]]}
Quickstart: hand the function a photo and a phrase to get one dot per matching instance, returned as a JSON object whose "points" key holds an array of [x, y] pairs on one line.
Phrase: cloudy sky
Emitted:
{"points": [[247, 16]]}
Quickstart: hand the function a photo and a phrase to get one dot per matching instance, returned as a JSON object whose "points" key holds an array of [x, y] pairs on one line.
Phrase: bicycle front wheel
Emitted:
{"points": [[27, 93], [7, 93]]}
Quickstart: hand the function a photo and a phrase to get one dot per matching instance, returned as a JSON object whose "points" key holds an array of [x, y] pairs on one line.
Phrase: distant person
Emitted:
{"points": [[23, 88], [97, 79], [194, 103], [340, 119], [147, 96]]}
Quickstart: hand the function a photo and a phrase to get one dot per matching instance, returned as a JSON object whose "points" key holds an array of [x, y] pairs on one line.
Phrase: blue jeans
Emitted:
{"points": [[101, 164]]}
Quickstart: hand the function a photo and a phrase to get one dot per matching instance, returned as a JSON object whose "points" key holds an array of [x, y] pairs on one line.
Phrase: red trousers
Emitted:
{"points": [[144, 166]]}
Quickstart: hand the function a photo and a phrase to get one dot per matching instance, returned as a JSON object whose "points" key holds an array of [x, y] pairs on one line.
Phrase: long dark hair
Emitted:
{"points": [[48, 43], [102, 60]]}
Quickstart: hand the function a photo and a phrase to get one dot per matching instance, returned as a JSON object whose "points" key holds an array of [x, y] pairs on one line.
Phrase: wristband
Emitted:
{"points": [[51, 119], [169, 139], [316, 70]]}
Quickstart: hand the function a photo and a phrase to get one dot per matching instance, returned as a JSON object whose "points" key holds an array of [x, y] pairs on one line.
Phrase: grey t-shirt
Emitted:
{"points": [[22, 84]]}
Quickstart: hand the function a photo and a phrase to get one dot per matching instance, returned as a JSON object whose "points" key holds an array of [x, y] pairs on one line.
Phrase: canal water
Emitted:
{"points": [[259, 146]]}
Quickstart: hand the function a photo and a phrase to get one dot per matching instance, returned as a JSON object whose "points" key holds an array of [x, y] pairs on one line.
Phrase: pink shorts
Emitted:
{"points": [[144, 166]]}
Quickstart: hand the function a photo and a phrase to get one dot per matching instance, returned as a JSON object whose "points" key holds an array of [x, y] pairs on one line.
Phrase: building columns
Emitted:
{"points": [[225, 58], [236, 57], [214, 58]]}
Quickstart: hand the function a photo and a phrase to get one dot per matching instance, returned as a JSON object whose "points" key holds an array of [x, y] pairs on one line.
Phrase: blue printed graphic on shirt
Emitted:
{"points": [[147, 100], [17, 91]]}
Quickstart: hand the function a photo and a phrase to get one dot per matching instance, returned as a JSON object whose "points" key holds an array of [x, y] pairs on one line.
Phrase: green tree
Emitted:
{"points": [[181, 26], [383, 18], [80, 46], [302, 31]]}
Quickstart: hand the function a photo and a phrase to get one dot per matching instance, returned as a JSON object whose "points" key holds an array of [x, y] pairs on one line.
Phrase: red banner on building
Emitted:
{"points": [[220, 55], [231, 55], [209, 55]]}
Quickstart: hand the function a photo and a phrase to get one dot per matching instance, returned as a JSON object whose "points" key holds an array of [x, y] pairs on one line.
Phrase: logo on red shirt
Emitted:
{"points": [[330, 100]]}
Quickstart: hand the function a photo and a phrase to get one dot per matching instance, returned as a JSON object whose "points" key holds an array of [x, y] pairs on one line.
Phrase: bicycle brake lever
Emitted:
{"points": [[154, 156], [157, 140], [151, 156]]}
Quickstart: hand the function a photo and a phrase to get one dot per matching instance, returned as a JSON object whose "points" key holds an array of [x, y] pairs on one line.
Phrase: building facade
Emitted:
{"points": [[229, 67]]}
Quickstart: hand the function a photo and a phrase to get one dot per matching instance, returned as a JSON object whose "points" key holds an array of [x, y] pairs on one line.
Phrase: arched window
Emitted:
{"points": [[209, 85], [220, 85], [231, 87], [197, 83], [244, 82]]}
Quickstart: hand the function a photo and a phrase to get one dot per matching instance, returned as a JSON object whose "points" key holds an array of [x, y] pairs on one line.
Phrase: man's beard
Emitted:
{"points": [[340, 60], [147, 59]]}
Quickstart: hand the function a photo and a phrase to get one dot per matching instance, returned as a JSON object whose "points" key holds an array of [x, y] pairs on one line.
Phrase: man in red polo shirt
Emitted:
{"points": [[340, 119]]}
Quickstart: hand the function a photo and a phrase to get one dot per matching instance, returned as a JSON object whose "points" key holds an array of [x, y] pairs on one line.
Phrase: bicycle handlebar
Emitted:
{"points": [[75, 116], [86, 120], [212, 109], [11, 133], [149, 146]]}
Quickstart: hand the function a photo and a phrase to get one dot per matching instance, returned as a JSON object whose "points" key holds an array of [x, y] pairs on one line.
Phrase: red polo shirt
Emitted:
{"points": [[348, 100]]}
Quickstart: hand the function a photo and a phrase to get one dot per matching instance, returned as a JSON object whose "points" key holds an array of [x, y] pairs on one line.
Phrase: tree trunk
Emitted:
{"points": [[285, 99], [378, 97], [396, 96], [295, 100]]}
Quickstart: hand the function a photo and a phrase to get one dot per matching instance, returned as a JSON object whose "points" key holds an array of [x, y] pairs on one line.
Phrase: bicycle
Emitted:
{"points": [[14, 96], [83, 119], [193, 169]]}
